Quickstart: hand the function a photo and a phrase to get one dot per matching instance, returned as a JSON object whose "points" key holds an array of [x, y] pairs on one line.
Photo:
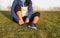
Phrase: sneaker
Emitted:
{"points": [[32, 25], [24, 25]]}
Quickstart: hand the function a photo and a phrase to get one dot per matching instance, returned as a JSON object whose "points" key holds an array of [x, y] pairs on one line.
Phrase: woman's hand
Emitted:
{"points": [[27, 20], [21, 22]]}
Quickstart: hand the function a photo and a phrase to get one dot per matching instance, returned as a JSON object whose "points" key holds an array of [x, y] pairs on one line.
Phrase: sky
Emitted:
{"points": [[37, 3]]}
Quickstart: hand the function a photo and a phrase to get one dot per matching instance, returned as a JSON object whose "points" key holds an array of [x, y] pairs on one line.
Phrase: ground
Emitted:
{"points": [[48, 26]]}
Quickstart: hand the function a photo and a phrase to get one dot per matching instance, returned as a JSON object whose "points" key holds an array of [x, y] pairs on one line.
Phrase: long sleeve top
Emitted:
{"points": [[15, 2]]}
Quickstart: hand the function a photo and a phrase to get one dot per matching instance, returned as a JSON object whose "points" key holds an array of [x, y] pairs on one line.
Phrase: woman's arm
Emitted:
{"points": [[30, 10], [13, 11]]}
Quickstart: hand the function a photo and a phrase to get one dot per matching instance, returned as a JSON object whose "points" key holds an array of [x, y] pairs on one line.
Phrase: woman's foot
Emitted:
{"points": [[24, 25]]}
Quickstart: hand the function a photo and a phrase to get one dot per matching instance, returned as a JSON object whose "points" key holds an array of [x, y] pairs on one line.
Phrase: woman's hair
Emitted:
{"points": [[28, 2]]}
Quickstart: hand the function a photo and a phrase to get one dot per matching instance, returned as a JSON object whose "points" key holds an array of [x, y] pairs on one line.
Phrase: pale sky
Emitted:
{"points": [[38, 3]]}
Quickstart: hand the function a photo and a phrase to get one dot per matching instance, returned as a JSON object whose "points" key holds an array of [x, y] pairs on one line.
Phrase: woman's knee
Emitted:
{"points": [[17, 8], [37, 14]]}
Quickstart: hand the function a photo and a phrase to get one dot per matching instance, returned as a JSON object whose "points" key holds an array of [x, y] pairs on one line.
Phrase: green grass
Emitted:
{"points": [[48, 26]]}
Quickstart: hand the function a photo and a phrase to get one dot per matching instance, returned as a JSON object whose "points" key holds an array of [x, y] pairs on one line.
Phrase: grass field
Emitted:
{"points": [[48, 26]]}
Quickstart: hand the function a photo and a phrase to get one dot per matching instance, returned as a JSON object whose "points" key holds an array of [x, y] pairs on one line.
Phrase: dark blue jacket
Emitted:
{"points": [[30, 9]]}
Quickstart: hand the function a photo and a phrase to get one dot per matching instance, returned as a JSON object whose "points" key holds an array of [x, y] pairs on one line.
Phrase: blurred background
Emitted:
{"points": [[41, 5]]}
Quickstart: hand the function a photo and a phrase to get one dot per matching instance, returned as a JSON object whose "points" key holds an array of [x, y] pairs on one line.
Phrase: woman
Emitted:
{"points": [[22, 13]]}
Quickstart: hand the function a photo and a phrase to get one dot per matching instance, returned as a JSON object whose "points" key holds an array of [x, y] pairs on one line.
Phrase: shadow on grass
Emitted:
{"points": [[7, 14]]}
